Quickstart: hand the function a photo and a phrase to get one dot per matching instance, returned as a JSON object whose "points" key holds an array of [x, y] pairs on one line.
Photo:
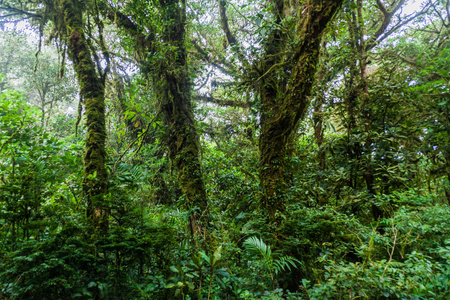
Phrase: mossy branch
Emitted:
{"points": [[142, 136], [274, 66]]}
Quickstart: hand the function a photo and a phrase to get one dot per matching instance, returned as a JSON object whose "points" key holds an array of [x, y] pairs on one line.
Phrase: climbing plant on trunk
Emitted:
{"points": [[286, 77], [164, 62], [173, 89], [70, 24]]}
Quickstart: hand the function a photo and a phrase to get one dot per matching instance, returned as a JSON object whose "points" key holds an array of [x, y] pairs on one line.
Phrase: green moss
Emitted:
{"points": [[92, 90], [285, 100], [172, 84]]}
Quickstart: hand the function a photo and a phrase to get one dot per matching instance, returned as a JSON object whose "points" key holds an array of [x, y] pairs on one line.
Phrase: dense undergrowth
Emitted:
{"points": [[330, 251]]}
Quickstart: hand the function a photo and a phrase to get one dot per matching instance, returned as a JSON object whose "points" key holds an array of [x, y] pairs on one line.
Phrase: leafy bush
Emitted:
{"points": [[72, 264], [418, 277]]}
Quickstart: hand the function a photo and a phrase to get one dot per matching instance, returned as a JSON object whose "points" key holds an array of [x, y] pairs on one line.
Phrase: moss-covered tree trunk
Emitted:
{"points": [[92, 90], [284, 101], [173, 87], [171, 83]]}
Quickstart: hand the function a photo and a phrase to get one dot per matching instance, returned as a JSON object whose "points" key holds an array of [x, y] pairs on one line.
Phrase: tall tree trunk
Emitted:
{"points": [[318, 126], [173, 87], [366, 109], [352, 101], [318, 114], [319, 129], [284, 101], [92, 90]]}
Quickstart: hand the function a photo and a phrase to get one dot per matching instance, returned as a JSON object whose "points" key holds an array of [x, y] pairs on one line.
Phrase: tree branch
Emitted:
{"points": [[143, 41], [16, 11], [387, 17], [228, 103], [229, 70], [230, 37]]}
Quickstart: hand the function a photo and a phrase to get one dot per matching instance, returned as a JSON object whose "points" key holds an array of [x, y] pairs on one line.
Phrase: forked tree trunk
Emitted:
{"points": [[284, 101]]}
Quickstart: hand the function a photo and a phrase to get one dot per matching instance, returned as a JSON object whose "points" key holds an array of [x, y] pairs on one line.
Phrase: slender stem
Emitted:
{"points": [[392, 252], [200, 286], [210, 282]]}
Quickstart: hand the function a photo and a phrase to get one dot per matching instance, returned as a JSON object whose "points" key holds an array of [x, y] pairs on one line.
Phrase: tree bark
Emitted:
{"points": [[173, 87], [284, 101], [92, 90], [318, 114]]}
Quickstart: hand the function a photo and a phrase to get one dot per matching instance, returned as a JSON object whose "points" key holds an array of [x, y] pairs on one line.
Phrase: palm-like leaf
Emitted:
{"points": [[285, 262], [256, 246]]}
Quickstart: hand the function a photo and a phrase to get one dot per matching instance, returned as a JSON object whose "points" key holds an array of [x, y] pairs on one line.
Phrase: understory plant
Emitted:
{"points": [[270, 262]]}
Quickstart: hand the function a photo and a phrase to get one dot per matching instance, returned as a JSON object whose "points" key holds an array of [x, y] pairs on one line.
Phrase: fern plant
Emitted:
{"points": [[273, 264]]}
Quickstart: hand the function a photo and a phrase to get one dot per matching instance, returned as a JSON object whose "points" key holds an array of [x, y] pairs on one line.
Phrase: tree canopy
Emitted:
{"points": [[253, 149]]}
